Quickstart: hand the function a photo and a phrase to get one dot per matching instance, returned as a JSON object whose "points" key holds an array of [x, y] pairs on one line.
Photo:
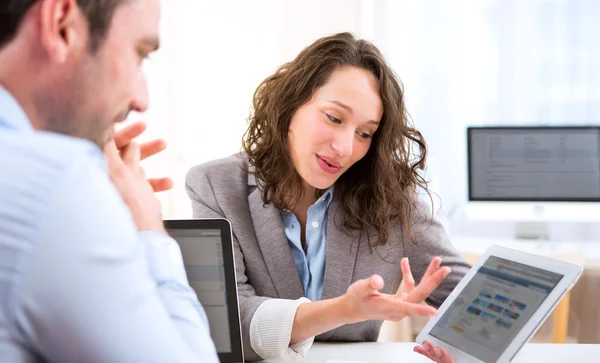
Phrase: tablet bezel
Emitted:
{"points": [[570, 274], [236, 354]]}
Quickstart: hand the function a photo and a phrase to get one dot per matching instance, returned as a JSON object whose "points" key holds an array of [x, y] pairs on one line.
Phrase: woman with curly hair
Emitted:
{"points": [[324, 205]]}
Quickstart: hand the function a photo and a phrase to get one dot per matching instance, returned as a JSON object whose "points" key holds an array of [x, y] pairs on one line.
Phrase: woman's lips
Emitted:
{"points": [[328, 165]]}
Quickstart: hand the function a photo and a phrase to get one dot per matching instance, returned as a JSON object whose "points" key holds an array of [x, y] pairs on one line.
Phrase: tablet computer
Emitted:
{"points": [[499, 305]]}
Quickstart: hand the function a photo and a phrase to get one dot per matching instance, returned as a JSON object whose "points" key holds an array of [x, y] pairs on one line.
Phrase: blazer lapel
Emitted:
{"points": [[342, 249], [274, 246], [340, 258]]}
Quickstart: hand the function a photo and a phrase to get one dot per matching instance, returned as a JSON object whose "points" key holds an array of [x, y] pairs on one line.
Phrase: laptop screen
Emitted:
{"points": [[208, 259], [494, 306]]}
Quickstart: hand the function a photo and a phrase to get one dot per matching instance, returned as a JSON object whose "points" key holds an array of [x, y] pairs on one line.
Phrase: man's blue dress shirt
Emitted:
{"points": [[78, 282]]}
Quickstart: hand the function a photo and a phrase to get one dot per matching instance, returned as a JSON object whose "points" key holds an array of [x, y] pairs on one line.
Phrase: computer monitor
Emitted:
{"points": [[207, 250], [534, 175]]}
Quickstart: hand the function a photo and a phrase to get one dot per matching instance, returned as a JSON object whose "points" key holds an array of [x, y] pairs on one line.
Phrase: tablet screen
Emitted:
{"points": [[493, 307]]}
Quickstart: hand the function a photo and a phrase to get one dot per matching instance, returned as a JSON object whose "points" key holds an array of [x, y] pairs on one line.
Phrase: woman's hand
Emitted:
{"points": [[436, 354], [363, 301]]}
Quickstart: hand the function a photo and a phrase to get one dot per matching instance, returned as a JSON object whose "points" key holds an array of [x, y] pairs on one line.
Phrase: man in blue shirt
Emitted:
{"points": [[87, 272]]}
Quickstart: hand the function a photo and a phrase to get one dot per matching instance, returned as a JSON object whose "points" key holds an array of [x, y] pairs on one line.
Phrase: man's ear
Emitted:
{"points": [[59, 29]]}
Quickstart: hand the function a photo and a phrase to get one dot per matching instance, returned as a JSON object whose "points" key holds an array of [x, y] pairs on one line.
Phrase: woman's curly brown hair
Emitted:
{"points": [[379, 189]]}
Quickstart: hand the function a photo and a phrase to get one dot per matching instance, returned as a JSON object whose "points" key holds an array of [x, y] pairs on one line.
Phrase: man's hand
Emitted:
{"points": [[124, 137], [436, 354], [363, 300], [130, 180]]}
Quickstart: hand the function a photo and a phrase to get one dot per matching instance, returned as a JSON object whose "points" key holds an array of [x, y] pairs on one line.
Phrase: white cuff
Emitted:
{"points": [[271, 330]]}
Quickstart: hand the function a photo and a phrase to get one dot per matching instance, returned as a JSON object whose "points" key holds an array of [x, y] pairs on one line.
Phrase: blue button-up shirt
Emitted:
{"points": [[310, 265], [78, 282]]}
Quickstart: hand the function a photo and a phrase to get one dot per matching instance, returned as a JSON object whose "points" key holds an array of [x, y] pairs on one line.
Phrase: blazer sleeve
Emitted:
{"points": [[266, 322], [205, 205], [430, 240]]}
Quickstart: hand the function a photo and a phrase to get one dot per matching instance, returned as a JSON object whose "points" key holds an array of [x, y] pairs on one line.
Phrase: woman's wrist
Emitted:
{"points": [[342, 308], [318, 317]]}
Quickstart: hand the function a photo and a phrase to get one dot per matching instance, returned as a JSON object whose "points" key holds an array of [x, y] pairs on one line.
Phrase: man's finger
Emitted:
{"points": [[131, 155], [161, 184], [118, 172], [113, 158], [151, 148], [426, 287], [124, 136]]}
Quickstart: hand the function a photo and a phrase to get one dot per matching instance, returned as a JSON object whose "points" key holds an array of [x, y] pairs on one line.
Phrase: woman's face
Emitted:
{"points": [[334, 129]]}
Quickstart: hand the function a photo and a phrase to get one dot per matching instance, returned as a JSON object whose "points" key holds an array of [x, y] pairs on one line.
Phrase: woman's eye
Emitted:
{"points": [[333, 119], [364, 135]]}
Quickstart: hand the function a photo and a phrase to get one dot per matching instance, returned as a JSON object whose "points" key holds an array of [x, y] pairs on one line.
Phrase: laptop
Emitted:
{"points": [[207, 249], [499, 305]]}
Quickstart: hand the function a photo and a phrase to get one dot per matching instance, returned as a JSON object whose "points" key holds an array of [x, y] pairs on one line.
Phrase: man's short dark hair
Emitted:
{"points": [[99, 14]]}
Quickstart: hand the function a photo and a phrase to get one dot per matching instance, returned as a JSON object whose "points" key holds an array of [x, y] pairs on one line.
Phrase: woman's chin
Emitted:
{"points": [[321, 182]]}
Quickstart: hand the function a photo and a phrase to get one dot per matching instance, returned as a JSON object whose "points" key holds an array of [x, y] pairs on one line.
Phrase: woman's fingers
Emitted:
{"points": [[376, 282], [427, 286], [367, 287], [436, 354], [434, 265], [408, 281], [394, 309], [419, 349], [418, 310]]}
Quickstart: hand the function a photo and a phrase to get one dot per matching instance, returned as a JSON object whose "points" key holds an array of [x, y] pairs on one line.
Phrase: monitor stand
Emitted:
{"points": [[531, 231]]}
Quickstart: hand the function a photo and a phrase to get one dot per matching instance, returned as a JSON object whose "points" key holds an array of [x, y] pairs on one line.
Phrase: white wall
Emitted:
{"points": [[463, 62]]}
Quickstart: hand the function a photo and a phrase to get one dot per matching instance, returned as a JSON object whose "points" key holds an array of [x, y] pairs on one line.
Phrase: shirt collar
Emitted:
{"points": [[11, 113], [326, 198]]}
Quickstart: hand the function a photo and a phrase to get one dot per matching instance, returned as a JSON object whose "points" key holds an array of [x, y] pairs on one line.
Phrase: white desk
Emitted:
{"points": [[403, 353]]}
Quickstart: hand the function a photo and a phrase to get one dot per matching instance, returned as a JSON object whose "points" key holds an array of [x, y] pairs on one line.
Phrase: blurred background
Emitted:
{"points": [[463, 63]]}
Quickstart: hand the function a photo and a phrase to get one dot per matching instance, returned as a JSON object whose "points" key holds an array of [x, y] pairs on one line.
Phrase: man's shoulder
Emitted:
{"points": [[46, 149], [36, 172], [37, 162]]}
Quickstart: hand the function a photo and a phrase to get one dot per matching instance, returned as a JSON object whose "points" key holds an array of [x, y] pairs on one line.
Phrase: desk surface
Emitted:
{"points": [[403, 353]]}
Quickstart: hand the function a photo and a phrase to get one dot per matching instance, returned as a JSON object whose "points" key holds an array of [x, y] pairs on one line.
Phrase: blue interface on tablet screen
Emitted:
{"points": [[494, 306]]}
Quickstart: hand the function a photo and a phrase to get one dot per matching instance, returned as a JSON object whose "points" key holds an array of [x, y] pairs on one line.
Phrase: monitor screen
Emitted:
{"points": [[203, 258], [491, 310], [534, 164]]}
